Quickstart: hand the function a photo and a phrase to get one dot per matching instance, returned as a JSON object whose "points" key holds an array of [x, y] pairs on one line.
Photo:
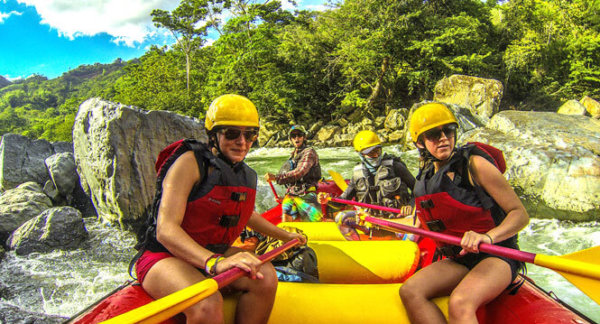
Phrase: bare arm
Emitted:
{"points": [[177, 185], [493, 182]]}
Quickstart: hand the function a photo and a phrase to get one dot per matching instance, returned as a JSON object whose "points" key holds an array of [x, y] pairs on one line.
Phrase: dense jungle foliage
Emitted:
{"points": [[359, 58]]}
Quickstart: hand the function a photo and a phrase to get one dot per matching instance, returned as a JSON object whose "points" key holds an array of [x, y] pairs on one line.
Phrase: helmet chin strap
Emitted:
{"points": [[213, 142]]}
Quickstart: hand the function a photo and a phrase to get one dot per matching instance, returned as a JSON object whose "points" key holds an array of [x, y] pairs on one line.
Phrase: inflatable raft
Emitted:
{"points": [[359, 283]]}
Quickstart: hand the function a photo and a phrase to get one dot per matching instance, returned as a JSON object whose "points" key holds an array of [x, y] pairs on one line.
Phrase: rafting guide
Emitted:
{"points": [[460, 191], [205, 198], [300, 174]]}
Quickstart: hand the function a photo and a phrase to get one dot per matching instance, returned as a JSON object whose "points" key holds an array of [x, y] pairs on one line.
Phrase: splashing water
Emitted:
{"points": [[65, 282]]}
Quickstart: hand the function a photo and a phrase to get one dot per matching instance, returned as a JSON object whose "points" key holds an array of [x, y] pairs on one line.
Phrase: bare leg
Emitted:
{"points": [[172, 274], [258, 296], [482, 284], [418, 291]]}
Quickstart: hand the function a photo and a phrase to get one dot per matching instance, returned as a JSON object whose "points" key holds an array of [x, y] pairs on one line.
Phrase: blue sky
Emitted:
{"points": [[50, 37]]}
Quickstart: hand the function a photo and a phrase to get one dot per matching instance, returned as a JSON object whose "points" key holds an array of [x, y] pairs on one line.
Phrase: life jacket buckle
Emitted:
{"points": [[238, 196], [436, 225], [229, 220], [427, 204]]}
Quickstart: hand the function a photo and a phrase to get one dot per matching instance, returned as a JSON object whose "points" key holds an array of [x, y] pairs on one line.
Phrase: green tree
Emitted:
{"points": [[189, 23]]}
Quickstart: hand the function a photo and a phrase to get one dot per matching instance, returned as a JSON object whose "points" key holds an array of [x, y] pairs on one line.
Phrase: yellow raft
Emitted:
{"points": [[360, 281]]}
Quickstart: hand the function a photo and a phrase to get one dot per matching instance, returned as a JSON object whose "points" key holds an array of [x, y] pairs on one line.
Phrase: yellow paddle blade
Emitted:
{"points": [[338, 179], [168, 306], [580, 268]]}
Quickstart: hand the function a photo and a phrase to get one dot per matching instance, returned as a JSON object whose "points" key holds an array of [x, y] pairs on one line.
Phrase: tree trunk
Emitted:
{"points": [[378, 84], [187, 71]]}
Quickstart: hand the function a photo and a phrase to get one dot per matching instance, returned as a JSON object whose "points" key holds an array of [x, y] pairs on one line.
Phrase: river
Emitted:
{"points": [[64, 282]]}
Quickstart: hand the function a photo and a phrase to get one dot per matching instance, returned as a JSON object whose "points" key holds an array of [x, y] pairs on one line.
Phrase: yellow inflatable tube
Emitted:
{"points": [[365, 261], [317, 231], [301, 303]]}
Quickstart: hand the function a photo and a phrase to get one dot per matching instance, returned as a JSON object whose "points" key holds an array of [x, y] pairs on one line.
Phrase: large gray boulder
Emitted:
{"points": [[115, 148], [59, 228], [22, 159], [63, 172], [481, 96], [553, 159], [19, 205]]}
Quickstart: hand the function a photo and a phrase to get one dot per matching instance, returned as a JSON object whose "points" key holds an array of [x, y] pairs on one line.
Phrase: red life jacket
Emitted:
{"points": [[455, 206], [218, 207]]}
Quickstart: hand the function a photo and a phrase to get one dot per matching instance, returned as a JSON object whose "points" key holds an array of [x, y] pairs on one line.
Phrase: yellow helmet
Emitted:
{"points": [[231, 110], [365, 139], [427, 117]]}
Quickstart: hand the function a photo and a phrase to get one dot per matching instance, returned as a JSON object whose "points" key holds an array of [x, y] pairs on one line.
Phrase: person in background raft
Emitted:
{"points": [[460, 191], [300, 174], [205, 198], [379, 179]]}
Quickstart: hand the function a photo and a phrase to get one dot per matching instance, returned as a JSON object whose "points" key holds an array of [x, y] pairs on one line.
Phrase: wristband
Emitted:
{"points": [[211, 263], [491, 241], [213, 270]]}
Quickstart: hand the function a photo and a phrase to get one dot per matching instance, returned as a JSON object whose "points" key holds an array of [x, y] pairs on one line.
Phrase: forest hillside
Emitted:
{"points": [[359, 58]]}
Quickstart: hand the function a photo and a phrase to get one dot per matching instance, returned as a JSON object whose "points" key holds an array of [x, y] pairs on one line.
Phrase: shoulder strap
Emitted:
{"points": [[491, 153], [468, 150]]}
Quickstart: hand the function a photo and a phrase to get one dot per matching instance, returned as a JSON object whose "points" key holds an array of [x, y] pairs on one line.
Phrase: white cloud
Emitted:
{"points": [[4, 16], [316, 5], [127, 21]]}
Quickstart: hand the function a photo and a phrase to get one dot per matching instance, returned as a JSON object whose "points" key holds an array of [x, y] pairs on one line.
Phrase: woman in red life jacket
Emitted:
{"points": [[205, 198], [460, 191]]}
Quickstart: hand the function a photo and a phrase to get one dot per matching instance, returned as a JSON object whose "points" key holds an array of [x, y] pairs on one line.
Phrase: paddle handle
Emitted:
{"points": [[234, 274], [483, 247]]}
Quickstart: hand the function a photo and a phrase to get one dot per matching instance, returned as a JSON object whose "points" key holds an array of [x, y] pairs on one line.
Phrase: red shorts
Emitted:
{"points": [[146, 261]]}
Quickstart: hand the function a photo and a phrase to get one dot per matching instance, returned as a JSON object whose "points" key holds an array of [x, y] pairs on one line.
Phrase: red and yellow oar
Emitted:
{"points": [[173, 304], [581, 268], [338, 179]]}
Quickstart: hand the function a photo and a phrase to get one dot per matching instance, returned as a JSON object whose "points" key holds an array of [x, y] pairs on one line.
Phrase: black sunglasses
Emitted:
{"points": [[234, 133], [296, 134], [435, 134]]}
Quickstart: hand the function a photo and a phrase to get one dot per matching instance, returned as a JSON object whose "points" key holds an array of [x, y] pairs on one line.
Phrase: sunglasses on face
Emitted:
{"points": [[234, 133], [435, 134], [294, 135]]}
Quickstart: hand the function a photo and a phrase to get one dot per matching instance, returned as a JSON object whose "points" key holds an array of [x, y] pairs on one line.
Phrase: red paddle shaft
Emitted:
{"points": [[234, 274]]}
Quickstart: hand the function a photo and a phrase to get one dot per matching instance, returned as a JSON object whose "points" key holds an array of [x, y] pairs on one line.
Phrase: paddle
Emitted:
{"points": [[274, 192], [338, 179], [173, 304], [581, 268]]}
